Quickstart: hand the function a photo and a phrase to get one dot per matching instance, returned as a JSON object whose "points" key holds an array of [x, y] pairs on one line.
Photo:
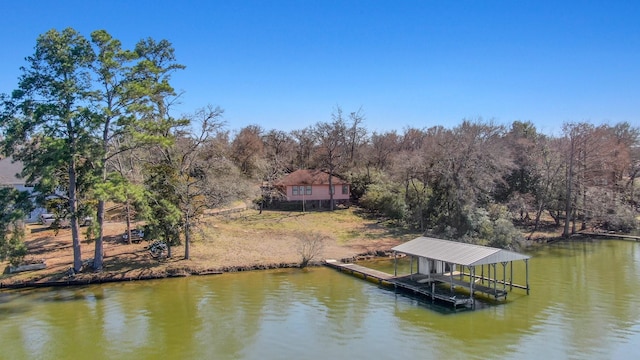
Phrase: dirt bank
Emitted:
{"points": [[244, 241]]}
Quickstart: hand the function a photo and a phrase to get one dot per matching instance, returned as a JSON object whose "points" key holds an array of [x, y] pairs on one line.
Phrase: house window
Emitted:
{"points": [[333, 189], [301, 190], [345, 189]]}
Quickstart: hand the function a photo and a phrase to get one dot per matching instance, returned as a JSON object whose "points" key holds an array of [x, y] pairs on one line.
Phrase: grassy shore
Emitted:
{"points": [[239, 241]]}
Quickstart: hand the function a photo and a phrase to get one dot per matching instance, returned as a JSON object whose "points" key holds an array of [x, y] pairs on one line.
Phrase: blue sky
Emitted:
{"points": [[287, 64]]}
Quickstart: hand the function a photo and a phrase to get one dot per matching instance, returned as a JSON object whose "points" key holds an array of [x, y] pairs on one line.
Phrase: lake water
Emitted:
{"points": [[584, 304]]}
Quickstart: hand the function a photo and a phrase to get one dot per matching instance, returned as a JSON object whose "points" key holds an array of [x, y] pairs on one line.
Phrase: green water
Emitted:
{"points": [[584, 304]]}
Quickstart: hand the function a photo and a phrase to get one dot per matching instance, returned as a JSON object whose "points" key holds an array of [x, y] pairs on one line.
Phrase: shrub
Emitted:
{"points": [[310, 246]]}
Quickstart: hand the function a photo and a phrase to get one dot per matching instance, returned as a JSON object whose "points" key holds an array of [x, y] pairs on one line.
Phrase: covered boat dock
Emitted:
{"points": [[454, 264]]}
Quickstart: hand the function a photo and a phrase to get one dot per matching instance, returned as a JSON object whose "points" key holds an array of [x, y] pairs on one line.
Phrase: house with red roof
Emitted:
{"points": [[311, 189]]}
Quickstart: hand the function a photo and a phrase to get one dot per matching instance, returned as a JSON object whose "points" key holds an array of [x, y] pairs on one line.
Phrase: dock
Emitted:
{"points": [[408, 283], [609, 235], [365, 272]]}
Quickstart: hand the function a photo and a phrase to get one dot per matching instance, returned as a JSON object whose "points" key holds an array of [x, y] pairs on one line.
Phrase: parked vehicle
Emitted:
{"points": [[136, 236], [158, 249], [49, 219]]}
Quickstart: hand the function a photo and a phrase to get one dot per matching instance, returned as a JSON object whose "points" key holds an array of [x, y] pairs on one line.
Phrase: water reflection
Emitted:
{"points": [[583, 304]]}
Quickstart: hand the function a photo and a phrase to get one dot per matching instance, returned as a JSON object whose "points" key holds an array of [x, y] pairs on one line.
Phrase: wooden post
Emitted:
{"points": [[451, 276], [504, 275], [395, 263], [411, 267], [495, 281], [511, 276], [471, 276], [526, 263]]}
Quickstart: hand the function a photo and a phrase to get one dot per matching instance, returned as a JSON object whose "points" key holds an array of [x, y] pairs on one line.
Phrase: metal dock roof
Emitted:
{"points": [[457, 252]]}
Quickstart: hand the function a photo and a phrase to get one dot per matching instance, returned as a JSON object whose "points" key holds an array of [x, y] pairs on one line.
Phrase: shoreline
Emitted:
{"points": [[226, 246], [90, 278]]}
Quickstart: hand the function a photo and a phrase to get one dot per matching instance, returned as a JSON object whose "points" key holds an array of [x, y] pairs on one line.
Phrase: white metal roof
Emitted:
{"points": [[457, 252]]}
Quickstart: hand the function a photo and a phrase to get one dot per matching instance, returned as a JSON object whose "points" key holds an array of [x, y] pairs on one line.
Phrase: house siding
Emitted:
{"points": [[318, 192]]}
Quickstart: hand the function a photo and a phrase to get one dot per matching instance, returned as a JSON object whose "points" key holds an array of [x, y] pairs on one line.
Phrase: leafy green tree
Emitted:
{"points": [[385, 198], [113, 99], [492, 226], [76, 101], [14, 207], [49, 123], [131, 96], [165, 220]]}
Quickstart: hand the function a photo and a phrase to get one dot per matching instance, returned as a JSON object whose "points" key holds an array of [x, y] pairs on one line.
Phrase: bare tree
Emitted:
{"points": [[381, 148], [356, 135], [279, 152], [247, 149], [310, 246], [188, 177], [305, 142], [331, 147]]}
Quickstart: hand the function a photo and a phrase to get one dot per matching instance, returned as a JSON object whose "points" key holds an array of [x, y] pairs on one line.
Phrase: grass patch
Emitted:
{"points": [[343, 225]]}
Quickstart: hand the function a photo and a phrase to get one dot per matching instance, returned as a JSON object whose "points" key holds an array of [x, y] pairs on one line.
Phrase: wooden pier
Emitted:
{"points": [[409, 283], [365, 272], [609, 235]]}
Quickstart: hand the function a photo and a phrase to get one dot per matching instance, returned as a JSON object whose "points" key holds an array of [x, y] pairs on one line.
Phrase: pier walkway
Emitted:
{"points": [[409, 283], [609, 235], [367, 273]]}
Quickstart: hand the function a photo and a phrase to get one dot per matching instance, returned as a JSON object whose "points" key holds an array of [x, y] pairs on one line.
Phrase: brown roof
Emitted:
{"points": [[309, 177]]}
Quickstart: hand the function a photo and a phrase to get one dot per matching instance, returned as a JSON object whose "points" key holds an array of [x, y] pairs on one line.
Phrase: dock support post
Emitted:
{"points": [[411, 267], [451, 275], [511, 276], [526, 263], [495, 280], [504, 275], [395, 264], [472, 273]]}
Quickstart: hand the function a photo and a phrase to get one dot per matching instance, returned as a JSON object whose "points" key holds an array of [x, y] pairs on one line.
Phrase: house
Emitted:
{"points": [[310, 189], [9, 177]]}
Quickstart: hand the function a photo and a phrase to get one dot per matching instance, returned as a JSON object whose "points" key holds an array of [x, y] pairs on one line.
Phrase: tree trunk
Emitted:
{"points": [[73, 208], [128, 219], [569, 190], [331, 204], [187, 236], [98, 255], [99, 248]]}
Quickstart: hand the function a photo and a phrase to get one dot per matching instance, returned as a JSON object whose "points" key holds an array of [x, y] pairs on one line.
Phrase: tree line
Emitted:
{"points": [[473, 182], [93, 123]]}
